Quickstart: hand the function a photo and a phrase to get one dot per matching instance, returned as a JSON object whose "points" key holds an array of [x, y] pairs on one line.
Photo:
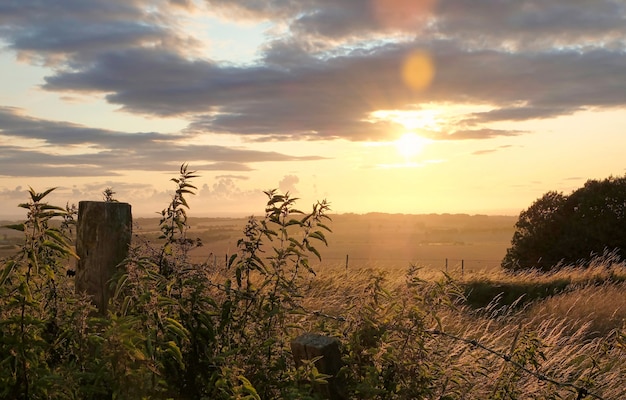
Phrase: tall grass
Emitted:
{"points": [[178, 329], [572, 336]]}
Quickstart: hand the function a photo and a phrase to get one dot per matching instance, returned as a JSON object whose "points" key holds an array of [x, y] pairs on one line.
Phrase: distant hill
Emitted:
{"points": [[374, 239]]}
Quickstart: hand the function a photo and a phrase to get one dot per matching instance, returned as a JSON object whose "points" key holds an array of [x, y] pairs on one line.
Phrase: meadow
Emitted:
{"points": [[378, 240], [216, 321], [564, 329]]}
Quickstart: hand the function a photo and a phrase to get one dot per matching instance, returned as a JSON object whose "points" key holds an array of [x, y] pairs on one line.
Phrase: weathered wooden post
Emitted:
{"points": [[308, 346], [103, 238]]}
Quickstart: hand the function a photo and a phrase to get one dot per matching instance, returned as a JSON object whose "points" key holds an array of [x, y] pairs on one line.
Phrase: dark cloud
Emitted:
{"points": [[332, 65], [520, 113], [532, 24], [72, 32], [480, 134], [334, 19], [110, 152]]}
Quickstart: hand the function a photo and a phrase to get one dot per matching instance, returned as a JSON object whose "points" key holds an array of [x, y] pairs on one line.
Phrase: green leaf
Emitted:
{"points": [[314, 251], [18, 227], [36, 197], [249, 389], [231, 260], [51, 207], [176, 328], [319, 235], [6, 271], [121, 284], [296, 243], [173, 349], [56, 235], [324, 226]]}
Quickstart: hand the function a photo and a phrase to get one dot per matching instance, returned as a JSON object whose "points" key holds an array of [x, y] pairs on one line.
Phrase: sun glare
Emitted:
{"points": [[410, 145], [427, 119]]}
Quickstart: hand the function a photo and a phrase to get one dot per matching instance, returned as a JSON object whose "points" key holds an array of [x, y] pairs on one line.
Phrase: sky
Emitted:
{"points": [[396, 106]]}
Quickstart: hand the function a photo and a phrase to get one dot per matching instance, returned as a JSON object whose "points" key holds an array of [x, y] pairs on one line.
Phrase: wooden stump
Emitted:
{"points": [[309, 346], [103, 238]]}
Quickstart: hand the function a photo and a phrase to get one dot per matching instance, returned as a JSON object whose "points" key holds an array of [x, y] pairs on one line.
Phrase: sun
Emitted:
{"points": [[410, 145]]}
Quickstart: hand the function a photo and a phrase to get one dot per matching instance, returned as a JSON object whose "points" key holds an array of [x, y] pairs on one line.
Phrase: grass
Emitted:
{"points": [[188, 331], [576, 316], [472, 336]]}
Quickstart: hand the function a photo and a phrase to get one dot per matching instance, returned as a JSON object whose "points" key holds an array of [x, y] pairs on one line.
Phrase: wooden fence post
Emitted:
{"points": [[103, 238], [308, 346]]}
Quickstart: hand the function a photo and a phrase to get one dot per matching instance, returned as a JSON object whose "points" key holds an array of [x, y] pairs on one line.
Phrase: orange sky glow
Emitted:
{"points": [[377, 106]]}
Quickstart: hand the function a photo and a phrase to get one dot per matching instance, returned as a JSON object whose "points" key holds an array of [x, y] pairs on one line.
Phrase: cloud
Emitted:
{"points": [[16, 195], [70, 32], [488, 151], [225, 193], [327, 65], [520, 113], [480, 134], [240, 177], [288, 184], [66, 149], [333, 19]]}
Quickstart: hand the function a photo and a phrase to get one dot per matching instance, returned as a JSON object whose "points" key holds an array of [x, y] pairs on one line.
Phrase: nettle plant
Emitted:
{"points": [[221, 335], [43, 334]]}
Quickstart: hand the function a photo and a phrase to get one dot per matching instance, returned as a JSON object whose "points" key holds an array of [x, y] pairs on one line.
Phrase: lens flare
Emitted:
{"points": [[418, 70], [402, 14]]}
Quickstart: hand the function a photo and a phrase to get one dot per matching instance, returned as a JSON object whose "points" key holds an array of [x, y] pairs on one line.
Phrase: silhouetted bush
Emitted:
{"points": [[558, 230]]}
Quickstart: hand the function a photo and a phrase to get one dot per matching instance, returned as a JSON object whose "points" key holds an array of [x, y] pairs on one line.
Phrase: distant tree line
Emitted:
{"points": [[558, 230]]}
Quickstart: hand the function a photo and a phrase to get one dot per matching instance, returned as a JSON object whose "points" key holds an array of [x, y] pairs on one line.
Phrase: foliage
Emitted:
{"points": [[558, 230], [41, 320], [177, 329], [107, 195]]}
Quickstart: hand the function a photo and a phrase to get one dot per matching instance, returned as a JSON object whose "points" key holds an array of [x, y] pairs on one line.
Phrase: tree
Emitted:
{"points": [[563, 230]]}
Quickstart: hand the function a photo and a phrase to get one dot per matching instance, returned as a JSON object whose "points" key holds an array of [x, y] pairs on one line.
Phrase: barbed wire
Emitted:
{"points": [[581, 391]]}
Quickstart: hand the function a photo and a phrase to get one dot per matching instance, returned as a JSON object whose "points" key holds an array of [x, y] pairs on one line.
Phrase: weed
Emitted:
{"points": [[179, 329]]}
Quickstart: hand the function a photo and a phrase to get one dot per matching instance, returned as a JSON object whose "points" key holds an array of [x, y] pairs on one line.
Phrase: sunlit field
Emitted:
{"points": [[566, 327], [409, 327], [389, 241]]}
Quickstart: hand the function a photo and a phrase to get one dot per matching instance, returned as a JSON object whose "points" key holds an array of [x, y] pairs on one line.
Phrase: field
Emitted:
{"points": [[407, 329], [386, 241]]}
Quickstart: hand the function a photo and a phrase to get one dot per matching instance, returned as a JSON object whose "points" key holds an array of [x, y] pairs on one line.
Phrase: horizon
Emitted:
{"points": [[191, 215], [391, 106]]}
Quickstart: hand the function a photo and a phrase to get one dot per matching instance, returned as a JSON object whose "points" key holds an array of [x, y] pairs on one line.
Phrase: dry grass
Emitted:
{"points": [[601, 308], [577, 331]]}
